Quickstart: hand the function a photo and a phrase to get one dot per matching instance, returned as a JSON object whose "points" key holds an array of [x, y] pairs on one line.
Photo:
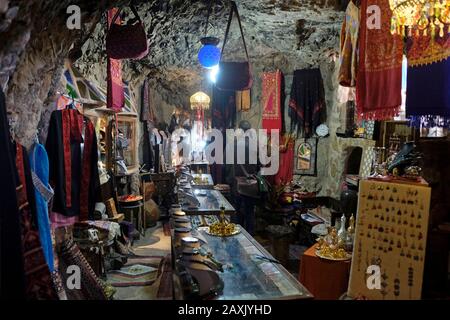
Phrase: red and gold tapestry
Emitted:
{"points": [[115, 95], [379, 79], [271, 100]]}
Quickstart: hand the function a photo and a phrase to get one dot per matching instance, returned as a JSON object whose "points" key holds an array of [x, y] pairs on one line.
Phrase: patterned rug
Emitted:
{"points": [[138, 271]]}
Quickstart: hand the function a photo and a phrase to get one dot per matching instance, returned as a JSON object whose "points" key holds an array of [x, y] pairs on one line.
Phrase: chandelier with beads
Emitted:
{"points": [[420, 17]]}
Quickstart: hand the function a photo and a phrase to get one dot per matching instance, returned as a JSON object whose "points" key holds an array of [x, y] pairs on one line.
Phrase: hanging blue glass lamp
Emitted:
{"points": [[209, 54]]}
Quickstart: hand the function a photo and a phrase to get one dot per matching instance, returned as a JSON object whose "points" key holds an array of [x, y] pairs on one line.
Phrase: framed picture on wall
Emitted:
{"points": [[305, 155]]}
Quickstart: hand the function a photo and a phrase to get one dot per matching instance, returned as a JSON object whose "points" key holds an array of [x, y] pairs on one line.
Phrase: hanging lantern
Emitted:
{"points": [[209, 54], [200, 100], [416, 17]]}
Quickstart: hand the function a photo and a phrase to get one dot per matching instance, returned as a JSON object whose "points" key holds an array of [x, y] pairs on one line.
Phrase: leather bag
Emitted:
{"points": [[234, 76], [127, 41]]}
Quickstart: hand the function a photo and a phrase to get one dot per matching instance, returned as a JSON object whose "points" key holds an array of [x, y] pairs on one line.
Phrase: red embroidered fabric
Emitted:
{"points": [[379, 79], [271, 100]]}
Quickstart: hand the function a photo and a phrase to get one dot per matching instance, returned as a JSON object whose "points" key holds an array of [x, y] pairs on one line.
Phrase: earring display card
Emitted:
{"points": [[390, 241]]}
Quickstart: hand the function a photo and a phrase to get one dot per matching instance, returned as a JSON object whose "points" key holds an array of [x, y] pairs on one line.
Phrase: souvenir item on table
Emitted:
{"points": [[73, 168], [115, 92], [126, 41], [307, 101], [350, 236], [12, 276], [391, 233], [379, 84], [271, 100], [223, 228], [234, 76], [342, 232], [43, 194], [332, 247], [243, 100], [406, 161], [38, 280], [349, 45], [428, 102]]}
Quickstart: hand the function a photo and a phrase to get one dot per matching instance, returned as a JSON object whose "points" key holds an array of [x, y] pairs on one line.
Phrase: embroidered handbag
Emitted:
{"points": [[127, 41], [234, 76]]}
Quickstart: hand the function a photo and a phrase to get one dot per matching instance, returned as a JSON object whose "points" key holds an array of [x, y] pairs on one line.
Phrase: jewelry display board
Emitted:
{"points": [[391, 233]]}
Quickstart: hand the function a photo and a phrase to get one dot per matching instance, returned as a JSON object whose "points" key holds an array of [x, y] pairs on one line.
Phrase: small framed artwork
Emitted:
{"points": [[305, 155]]}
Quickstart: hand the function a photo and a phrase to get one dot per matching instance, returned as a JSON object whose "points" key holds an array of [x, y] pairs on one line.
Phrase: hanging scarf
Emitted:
{"points": [[271, 100], [349, 42], [147, 112], [115, 91], [43, 194], [38, 280], [428, 81], [379, 80], [307, 101]]}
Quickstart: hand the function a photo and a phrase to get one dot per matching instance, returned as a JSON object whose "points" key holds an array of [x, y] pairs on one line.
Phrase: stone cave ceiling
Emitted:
{"points": [[34, 41]]}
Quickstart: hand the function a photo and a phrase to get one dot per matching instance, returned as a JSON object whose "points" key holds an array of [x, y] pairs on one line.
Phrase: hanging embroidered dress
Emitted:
{"points": [[428, 81], [73, 155], [271, 101], [379, 78], [307, 101]]}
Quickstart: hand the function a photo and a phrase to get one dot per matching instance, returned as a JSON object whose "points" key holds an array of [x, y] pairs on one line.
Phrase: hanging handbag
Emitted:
{"points": [[234, 76], [127, 41]]}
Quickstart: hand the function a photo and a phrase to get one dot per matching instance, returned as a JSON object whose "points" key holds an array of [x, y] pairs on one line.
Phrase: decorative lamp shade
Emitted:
{"points": [[200, 100], [416, 17], [209, 54]]}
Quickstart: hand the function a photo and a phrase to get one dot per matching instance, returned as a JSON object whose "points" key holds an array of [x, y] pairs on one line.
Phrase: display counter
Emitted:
{"points": [[250, 272], [210, 202]]}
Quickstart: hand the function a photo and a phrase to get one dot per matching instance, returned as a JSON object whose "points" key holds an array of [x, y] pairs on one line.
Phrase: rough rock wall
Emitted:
{"points": [[280, 34], [34, 43], [285, 35]]}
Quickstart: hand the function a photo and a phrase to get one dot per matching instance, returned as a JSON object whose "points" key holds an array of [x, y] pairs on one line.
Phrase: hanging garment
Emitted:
{"points": [[147, 111], [271, 100], [43, 193], [115, 92], [243, 100], [379, 79], [307, 101], [38, 280], [73, 154], [12, 275], [349, 42], [148, 120], [428, 81], [285, 172]]}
